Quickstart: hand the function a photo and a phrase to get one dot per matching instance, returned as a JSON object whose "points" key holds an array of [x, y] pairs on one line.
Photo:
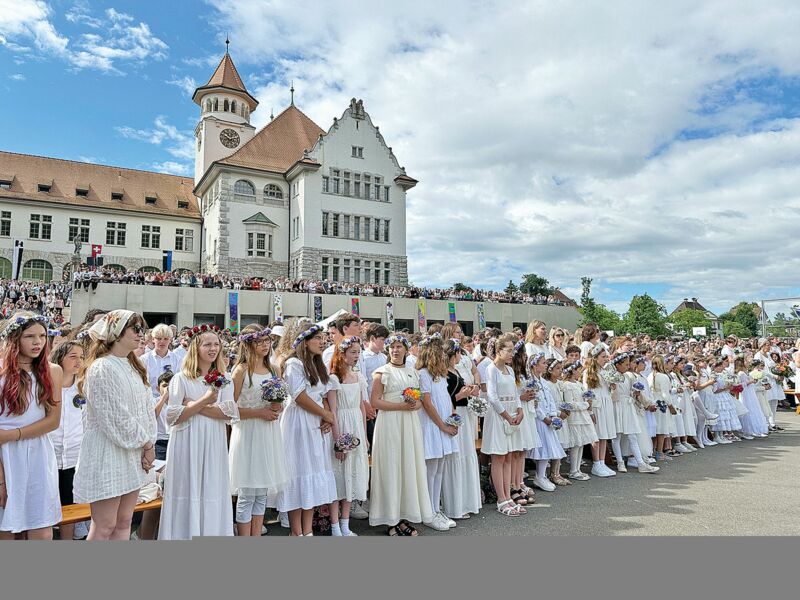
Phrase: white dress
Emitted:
{"points": [[118, 422], [310, 481], [197, 498], [564, 434], [624, 409], [256, 461], [775, 392], [530, 435], [551, 446], [464, 368], [31, 473], [754, 422], [399, 484], [581, 427], [603, 409], [725, 406], [502, 394], [438, 444], [678, 402], [352, 473], [661, 385], [461, 471]]}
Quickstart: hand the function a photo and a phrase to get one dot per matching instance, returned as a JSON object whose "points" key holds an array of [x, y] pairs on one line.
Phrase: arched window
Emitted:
{"points": [[119, 268], [272, 191], [149, 269], [37, 269], [226, 105], [216, 104], [208, 105], [244, 188], [5, 268], [233, 106], [242, 109]]}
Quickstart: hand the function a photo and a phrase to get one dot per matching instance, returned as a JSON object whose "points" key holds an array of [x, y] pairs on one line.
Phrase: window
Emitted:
{"points": [[273, 191], [296, 228], [5, 268], [386, 231], [326, 184], [184, 239], [244, 188], [78, 228], [335, 181], [81, 193], [183, 204], [149, 200], [346, 226], [357, 228], [335, 225], [377, 237], [41, 227], [324, 267], [386, 273], [44, 188], [386, 193], [347, 183], [366, 271], [115, 233], [5, 223], [357, 270], [357, 152], [367, 223], [325, 218], [233, 106], [336, 269], [5, 184], [225, 108], [151, 236], [116, 196], [346, 270], [377, 188], [216, 105], [37, 269], [377, 272]]}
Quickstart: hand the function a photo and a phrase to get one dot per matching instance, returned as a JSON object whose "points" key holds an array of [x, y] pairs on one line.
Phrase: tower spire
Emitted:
{"points": [[227, 42], [291, 89]]}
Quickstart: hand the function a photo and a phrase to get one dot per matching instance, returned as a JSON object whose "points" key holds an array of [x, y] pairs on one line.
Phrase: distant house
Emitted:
{"points": [[693, 304], [560, 296]]}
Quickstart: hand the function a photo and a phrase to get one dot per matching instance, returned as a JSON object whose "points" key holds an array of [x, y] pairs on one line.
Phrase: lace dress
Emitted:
{"points": [[352, 473], [118, 422]]}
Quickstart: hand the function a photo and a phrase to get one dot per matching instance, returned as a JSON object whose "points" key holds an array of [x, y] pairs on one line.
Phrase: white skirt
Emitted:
{"points": [[582, 434], [551, 446], [461, 489], [495, 439], [603, 410], [256, 456], [625, 417]]}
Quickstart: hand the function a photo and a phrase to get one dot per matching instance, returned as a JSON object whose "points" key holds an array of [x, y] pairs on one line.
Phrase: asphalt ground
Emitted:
{"points": [[744, 488]]}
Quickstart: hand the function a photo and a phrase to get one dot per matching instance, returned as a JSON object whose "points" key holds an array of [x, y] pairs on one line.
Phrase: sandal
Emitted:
{"points": [[529, 494], [508, 508], [518, 498], [405, 528]]}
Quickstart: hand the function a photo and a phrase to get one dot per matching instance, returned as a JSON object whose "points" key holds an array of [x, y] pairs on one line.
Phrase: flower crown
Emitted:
{"points": [[248, 338], [430, 338], [519, 346], [572, 367], [535, 358], [456, 344], [393, 339], [598, 349], [308, 333], [623, 356], [347, 342], [201, 329], [20, 322]]}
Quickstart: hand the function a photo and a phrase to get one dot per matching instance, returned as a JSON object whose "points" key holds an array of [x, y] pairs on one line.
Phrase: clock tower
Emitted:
{"points": [[225, 107]]}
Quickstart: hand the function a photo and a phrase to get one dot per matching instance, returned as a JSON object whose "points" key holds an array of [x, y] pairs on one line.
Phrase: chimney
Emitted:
{"points": [[694, 300]]}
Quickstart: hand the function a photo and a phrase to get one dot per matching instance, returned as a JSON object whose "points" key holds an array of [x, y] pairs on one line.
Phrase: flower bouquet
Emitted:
{"points": [[411, 395], [756, 375], [274, 390], [565, 407], [346, 442], [737, 389], [556, 423], [479, 406], [780, 371], [611, 376], [454, 420], [216, 380], [637, 387], [661, 405], [588, 396]]}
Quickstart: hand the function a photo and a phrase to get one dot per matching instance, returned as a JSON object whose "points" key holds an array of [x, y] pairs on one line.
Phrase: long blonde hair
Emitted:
{"points": [[552, 337], [247, 354], [191, 364], [530, 334], [99, 349], [433, 357], [592, 372]]}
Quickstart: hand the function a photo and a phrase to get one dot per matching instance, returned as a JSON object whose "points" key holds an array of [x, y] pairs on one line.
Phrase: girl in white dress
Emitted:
{"points": [[30, 408], [438, 437], [501, 431], [773, 388], [582, 429], [350, 469], [118, 447], [398, 484], [464, 470], [753, 423], [197, 496], [306, 427], [685, 389], [466, 367], [536, 339], [661, 385], [551, 451], [256, 463], [521, 494], [602, 408], [727, 421]]}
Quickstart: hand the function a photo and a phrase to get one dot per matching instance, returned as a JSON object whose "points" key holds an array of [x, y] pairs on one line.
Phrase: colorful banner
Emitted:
{"points": [[390, 316], [277, 307], [317, 309], [355, 309], [481, 317], [233, 311], [423, 324], [451, 309]]}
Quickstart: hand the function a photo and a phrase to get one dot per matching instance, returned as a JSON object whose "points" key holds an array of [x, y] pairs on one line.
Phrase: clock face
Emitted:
{"points": [[229, 138]]}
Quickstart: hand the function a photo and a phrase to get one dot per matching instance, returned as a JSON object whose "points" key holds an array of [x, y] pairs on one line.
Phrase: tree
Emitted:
{"points": [[606, 319], [534, 285], [645, 315], [511, 288], [735, 328], [744, 313], [586, 289], [685, 319], [460, 287]]}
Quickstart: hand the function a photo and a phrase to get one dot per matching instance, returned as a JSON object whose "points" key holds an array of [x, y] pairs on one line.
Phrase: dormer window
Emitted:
{"points": [[150, 200], [5, 182], [183, 204], [81, 193], [117, 196], [44, 188]]}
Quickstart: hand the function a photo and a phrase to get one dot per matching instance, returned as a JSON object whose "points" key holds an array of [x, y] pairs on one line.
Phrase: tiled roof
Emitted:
{"points": [[226, 76], [279, 145], [259, 217], [26, 172]]}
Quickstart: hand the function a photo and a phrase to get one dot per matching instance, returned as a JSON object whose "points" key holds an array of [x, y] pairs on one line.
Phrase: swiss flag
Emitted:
{"points": [[97, 250]]}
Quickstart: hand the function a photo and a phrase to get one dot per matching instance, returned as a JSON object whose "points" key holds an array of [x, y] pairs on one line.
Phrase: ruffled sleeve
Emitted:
{"points": [[104, 384], [227, 404], [174, 408], [295, 377], [425, 381]]}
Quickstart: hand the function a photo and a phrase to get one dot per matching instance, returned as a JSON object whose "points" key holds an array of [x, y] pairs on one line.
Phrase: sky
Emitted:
{"points": [[654, 147]]}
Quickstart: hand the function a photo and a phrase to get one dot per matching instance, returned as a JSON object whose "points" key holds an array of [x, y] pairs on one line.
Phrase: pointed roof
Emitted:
{"points": [[260, 217], [226, 76], [279, 145]]}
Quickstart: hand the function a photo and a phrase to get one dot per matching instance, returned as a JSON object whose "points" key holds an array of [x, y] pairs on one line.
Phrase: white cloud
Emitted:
{"points": [[17, 77], [187, 84], [546, 135], [172, 168], [115, 38], [178, 144]]}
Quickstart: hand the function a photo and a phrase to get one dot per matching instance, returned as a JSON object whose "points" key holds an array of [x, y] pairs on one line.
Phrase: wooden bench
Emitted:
{"points": [[75, 513]]}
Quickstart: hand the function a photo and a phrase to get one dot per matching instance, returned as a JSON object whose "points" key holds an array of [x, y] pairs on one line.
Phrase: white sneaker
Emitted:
{"points": [[710, 443], [284, 517], [648, 469], [349, 534], [579, 476], [600, 470], [450, 522], [544, 484], [357, 511], [437, 523], [650, 460], [747, 437], [621, 468]]}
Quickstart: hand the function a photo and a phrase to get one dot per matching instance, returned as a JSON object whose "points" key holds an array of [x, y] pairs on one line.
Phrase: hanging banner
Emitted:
{"points": [[277, 307], [451, 309], [317, 308], [233, 311], [481, 317], [355, 309], [390, 316], [16, 259], [423, 324]]}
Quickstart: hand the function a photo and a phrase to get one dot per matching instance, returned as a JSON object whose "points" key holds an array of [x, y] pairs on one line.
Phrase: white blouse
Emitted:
{"points": [[67, 438]]}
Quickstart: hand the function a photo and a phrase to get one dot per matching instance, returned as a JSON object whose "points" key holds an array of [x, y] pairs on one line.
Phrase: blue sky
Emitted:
{"points": [[655, 150]]}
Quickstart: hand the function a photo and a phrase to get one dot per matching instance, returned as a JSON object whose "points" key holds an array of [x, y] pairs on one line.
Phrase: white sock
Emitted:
{"points": [[575, 459], [345, 525], [617, 448], [541, 468], [336, 530]]}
